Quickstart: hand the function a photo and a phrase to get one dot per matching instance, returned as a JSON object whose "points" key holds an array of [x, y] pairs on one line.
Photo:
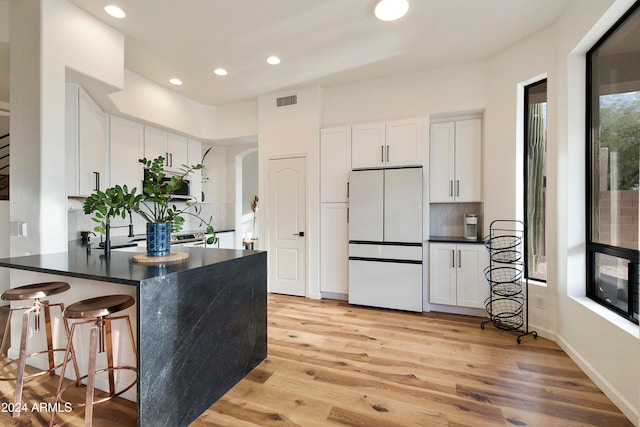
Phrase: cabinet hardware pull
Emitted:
{"points": [[347, 215], [457, 188], [382, 153], [166, 159], [450, 188], [453, 258], [387, 154], [97, 181], [459, 258], [171, 157]]}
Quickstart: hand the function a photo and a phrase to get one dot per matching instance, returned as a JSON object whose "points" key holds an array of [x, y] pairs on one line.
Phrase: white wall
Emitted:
{"points": [[458, 88], [46, 38], [293, 131]]}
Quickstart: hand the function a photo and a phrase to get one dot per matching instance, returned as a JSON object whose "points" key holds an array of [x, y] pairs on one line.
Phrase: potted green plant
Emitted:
{"points": [[154, 205], [156, 208], [113, 202]]}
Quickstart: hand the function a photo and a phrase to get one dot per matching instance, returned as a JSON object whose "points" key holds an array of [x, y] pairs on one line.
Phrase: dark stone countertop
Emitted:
{"points": [[453, 239], [119, 266]]}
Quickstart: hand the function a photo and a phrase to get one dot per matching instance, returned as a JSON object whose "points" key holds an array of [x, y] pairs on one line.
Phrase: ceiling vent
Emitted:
{"points": [[287, 100]]}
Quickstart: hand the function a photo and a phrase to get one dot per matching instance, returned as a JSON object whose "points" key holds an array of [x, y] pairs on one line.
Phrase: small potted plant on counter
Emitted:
{"points": [[155, 205], [157, 209]]}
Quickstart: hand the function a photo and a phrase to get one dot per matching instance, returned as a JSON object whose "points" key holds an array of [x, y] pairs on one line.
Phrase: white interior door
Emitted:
{"points": [[287, 213]]}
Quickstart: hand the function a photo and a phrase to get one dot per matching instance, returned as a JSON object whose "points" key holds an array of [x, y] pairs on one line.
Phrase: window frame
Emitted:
{"points": [[592, 249], [525, 169]]}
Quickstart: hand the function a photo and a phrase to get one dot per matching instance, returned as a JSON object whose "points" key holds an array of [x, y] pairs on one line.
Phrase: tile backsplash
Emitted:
{"points": [[447, 219]]}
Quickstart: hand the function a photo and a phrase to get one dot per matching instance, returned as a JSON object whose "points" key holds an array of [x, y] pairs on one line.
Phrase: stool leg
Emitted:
{"points": [[72, 352], [109, 342], [91, 372], [21, 363], [63, 368], [5, 337], [47, 323]]}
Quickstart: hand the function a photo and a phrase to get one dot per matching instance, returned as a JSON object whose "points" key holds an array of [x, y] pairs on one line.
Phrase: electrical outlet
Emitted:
{"points": [[539, 301]]}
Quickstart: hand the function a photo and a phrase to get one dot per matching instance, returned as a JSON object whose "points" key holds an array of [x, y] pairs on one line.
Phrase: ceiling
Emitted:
{"points": [[320, 42]]}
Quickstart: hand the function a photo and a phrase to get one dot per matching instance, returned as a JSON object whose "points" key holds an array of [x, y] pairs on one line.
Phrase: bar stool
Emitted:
{"points": [[97, 311], [34, 292]]}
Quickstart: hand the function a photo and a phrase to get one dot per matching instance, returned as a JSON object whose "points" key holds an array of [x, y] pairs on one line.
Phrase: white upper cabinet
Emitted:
{"points": [[87, 133], [394, 143], [194, 156], [335, 164], [172, 147], [404, 143], [126, 147], [368, 146], [455, 161]]}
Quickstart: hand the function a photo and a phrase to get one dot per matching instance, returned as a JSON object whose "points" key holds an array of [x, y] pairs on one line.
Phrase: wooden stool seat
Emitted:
{"points": [[35, 291], [98, 307]]}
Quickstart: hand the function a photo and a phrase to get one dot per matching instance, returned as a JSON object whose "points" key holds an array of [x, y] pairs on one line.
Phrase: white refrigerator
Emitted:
{"points": [[385, 238]]}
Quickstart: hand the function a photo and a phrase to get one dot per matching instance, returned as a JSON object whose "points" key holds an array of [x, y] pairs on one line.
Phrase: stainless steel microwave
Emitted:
{"points": [[181, 193]]}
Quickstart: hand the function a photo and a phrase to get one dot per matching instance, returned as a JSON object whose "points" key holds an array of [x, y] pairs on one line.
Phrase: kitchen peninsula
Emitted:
{"points": [[200, 324]]}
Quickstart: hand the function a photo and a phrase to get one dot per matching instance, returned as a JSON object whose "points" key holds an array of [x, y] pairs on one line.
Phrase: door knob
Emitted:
{"points": [[301, 234]]}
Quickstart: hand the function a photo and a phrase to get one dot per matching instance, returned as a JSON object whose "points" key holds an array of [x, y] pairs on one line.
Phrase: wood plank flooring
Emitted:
{"points": [[333, 364]]}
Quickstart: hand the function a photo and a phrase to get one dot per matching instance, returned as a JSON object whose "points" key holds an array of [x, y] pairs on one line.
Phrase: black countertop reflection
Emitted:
{"points": [[118, 267]]}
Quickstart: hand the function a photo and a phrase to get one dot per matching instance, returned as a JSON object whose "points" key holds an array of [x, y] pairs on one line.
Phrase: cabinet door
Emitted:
{"points": [[368, 146], [177, 147], [194, 157], [468, 185], [334, 248], [155, 144], [442, 273], [472, 288], [442, 162], [226, 240], [93, 145], [335, 164], [126, 146], [71, 140], [404, 143]]}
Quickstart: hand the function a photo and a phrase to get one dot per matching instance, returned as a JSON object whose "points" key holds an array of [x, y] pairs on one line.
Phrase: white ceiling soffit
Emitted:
{"points": [[324, 43]]}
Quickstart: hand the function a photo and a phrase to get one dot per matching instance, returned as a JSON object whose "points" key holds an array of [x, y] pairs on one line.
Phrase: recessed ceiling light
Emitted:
{"points": [[390, 10], [176, 82], [115, 11], [273, 60], [220, 71]]}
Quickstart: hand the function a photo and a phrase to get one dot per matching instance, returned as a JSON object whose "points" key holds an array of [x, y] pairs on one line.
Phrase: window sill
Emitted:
{"points": [[624, 324]]}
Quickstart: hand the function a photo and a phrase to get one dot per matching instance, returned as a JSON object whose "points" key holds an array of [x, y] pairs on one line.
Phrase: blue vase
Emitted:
{"points": [[158, 238]]}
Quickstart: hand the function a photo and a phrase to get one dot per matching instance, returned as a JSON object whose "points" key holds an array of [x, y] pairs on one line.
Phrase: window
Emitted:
{"points": [[535, 178], [613, 167]]}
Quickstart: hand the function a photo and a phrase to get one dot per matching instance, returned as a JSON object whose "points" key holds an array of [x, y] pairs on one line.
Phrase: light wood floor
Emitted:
{"points": [[332, 364]]}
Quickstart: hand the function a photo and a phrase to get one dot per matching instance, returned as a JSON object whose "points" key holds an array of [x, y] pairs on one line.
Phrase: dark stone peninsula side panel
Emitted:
{"points": [[200, 331]]}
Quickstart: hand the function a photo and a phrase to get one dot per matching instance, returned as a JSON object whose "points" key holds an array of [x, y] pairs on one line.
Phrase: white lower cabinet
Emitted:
{"points": [[334, 247], [456, 274]]}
